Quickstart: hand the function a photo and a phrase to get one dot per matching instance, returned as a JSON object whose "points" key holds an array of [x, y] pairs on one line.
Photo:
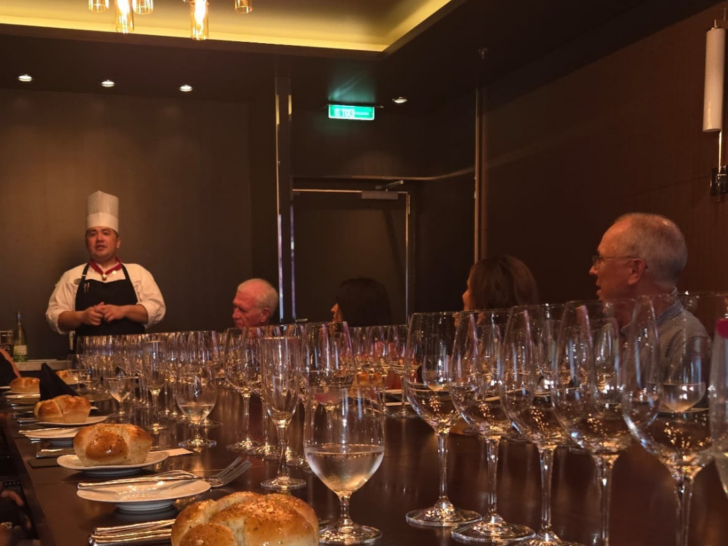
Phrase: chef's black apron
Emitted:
{"points": [[91, 292]]}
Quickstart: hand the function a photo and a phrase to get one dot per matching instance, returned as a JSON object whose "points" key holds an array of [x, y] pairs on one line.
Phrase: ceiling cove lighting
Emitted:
{"points": [[143, 7], [107, 83], [243, 6], [185, 88], [25, 78], [124, 17], [98, 6]]}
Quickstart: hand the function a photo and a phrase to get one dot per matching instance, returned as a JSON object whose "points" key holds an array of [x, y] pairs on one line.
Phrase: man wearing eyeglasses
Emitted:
{"points": [[644, 255]]}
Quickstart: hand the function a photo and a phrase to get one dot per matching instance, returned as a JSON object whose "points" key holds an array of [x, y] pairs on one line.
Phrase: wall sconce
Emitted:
{"points": [[199, 15], [713, 100]]}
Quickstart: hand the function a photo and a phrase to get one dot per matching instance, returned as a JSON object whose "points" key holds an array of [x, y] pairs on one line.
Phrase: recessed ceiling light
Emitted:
{"points": [[107, 83], [25, 78], [185, 88], [399, 100]]}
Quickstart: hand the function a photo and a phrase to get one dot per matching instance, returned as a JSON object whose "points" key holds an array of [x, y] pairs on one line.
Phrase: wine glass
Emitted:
{"points": [[664, 398], [344, 445], [718, 396], [474, 390], [327, 356], [120, 386], [526, 397], [196, 397], [242, 370], [154, 366], [281, 376], [396, 340], [204, 349], [426, 384], [584, 370]]}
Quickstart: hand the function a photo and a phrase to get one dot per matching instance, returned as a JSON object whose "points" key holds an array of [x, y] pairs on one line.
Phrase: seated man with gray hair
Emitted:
{"points": [[643, 255], [254, 304]]}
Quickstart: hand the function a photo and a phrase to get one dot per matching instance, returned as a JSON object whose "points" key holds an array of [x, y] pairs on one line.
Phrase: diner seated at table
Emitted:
{"points": [[362, 302], [644, 255], [254, 304], [499, 282]]}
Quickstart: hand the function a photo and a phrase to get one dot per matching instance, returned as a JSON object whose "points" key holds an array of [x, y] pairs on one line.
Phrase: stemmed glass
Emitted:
{"points": [[155, 372], [204, 349], [474, 390], [664, 397], [242, 371], [396, 340], [526, 393], [196, 397], [120, 385], [426, 384], [344, 445], [584, 371], [281, 376], [718, 396]]}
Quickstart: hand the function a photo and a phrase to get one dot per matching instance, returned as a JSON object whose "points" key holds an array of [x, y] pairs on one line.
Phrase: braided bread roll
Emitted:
{"points": [[247, 519]]}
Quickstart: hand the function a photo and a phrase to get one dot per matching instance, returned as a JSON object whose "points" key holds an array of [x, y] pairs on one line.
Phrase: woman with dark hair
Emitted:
{"points": [[362, 302], [500, 282]]}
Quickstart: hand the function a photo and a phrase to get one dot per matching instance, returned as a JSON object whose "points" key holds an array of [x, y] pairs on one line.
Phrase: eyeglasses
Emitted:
{"points": [[597, 260]]}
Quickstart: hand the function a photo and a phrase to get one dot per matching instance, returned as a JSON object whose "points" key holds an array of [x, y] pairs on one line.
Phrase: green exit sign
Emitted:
{"points": [[342, 111]]}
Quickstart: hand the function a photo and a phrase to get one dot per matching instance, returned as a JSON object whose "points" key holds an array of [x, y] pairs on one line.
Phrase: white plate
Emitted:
{"points": [[53, 435], [22, 396], [145, 497], [4, 387], [74, 463], [92, 420]]}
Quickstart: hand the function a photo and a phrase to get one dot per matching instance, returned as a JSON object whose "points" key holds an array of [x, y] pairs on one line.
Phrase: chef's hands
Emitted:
{"points": [[94, 315]]}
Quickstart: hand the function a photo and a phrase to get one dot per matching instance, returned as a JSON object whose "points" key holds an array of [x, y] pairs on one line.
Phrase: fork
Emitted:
{"points": [[222, 478]]}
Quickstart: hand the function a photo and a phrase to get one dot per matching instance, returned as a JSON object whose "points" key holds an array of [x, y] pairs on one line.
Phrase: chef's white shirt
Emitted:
{"points": [[147, 292]]}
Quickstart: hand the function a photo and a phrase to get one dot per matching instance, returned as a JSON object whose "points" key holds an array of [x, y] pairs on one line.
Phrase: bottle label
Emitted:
{"points": [[20, 350]]}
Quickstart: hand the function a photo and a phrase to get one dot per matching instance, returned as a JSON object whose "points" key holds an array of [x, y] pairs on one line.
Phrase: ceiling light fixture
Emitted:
{"points": [[98, 6], [399, 100], [243, 6], [107, 83], [143, 7], [199, 19], [124, 18], [25, 78], [185, 88]]}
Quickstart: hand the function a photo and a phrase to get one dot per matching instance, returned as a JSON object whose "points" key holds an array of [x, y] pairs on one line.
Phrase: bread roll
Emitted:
{"points": [[67, 376], [30, 385], [247, 519], [112, 445], [63, 409]]}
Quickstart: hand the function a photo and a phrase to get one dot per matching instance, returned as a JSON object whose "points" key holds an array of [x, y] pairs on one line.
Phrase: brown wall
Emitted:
{"points": [[180, 169], [622, 134]]}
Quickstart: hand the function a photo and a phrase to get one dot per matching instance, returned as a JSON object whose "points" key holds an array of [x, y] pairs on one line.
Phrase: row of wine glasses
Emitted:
{"points": [[597, 374]]}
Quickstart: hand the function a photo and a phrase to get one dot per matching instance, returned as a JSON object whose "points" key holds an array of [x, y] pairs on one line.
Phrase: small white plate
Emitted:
{"points": [[66, 435], [92, 420], [22, 396], [72, 462], [4, 387], [145, 497]]}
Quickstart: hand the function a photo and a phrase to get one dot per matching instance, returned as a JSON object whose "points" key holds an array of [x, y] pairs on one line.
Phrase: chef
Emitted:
{"points": [[105, 296]]}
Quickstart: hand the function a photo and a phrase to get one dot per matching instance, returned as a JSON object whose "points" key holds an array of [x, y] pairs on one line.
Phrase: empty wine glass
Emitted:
{"points": [[664, 397], [526, 397], [242, 371], [718, 395], [585, 370], [120, 385], [396, 340], [344, 445], [281, 376], [196, 397], [474, 390], [426, 384], [155, 373]]}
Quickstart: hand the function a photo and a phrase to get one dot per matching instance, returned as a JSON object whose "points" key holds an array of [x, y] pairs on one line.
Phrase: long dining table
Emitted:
{"points": [[643, 507]]}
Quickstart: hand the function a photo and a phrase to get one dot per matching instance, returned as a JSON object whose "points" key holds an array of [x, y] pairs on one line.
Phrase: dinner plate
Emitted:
{"points": [[56, 437], [22, 396], [4, 387], [145, 497], [92, 420], [72, 462]]}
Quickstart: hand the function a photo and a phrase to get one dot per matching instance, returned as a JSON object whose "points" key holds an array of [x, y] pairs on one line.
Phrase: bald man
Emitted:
{"points": [[254, 303]]}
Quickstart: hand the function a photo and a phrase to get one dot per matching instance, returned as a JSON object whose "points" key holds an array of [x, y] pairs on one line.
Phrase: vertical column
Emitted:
{"points": [[284, 194]]}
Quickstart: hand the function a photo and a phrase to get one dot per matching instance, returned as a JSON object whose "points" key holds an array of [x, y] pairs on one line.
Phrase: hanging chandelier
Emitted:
{"points": [[124, 11]]}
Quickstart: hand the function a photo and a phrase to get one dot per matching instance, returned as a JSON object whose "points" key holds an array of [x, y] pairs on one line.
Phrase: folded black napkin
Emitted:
{"points": [[51, 385]]}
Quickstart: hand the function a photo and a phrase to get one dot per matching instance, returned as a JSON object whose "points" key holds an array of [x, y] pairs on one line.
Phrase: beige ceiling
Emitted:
{"points": [[362, 25]]}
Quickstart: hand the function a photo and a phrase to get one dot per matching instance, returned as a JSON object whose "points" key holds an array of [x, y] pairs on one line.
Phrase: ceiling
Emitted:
{"points": [[435, 62], [371, 25]]}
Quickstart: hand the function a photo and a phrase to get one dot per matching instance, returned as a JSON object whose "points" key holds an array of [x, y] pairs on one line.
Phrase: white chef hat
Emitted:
{"points": [[102, 210]]}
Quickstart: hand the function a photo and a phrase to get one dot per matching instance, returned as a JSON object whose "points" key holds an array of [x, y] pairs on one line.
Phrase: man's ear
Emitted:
{"points": [[637, 271], [265, 314]]}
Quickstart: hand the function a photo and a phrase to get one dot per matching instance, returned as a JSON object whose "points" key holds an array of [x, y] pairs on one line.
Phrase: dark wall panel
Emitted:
{"points": [[619, 135], [180, 169]]}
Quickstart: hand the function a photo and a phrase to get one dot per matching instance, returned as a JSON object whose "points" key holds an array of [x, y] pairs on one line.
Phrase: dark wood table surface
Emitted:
{"points": [[643, 500]]}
